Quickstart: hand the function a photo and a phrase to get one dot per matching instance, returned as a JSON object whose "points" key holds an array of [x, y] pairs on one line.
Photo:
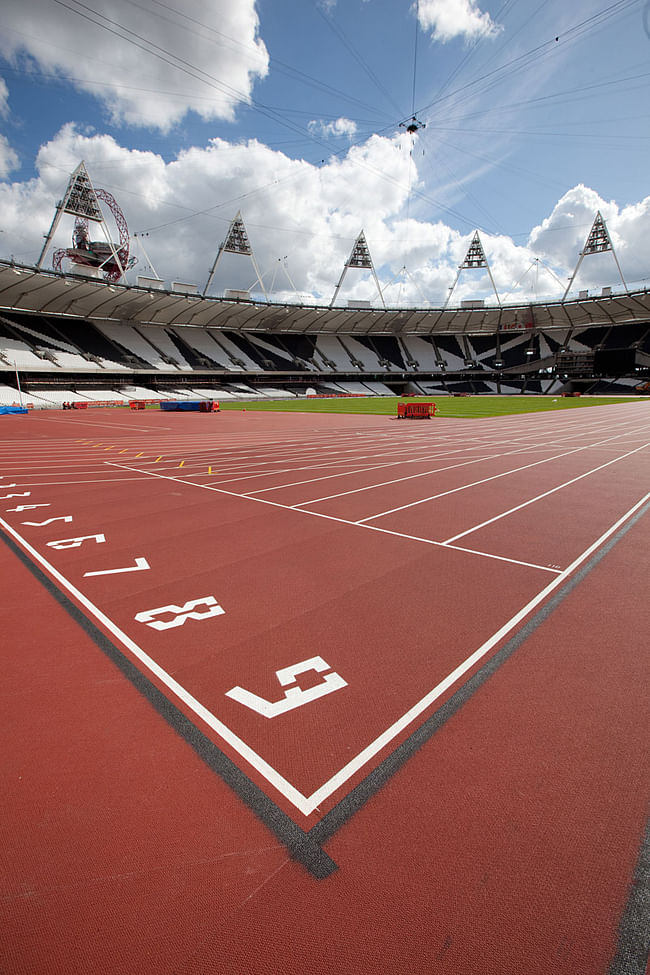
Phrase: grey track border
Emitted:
{"points": [[354, 800], [631, 956]]}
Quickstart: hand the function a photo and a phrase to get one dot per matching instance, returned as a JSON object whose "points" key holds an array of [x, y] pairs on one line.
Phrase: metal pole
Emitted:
{"points": [[213, 269], [50, 234], [20, 392]]}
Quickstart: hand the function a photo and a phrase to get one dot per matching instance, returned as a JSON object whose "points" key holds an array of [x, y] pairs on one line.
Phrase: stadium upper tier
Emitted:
{"points": [[28, 289]]}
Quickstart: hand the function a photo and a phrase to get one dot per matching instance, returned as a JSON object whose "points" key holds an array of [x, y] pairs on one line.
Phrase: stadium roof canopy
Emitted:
{"points": [[28, 289]]}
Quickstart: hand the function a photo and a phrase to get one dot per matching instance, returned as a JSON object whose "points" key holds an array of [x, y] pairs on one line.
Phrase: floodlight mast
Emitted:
{"points": [[81, 200], [359, 258], [236, 242], [475, 258], [598, 242]]}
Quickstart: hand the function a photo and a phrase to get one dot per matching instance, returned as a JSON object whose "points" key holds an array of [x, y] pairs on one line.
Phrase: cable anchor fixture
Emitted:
{"points": [[413, 125]]}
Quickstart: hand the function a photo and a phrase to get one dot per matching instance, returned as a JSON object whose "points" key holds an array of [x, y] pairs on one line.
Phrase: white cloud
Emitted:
{"points": [[340, 126], [447, 19], [4, 99], [8, 158], [312, 215], [562, 235], [149, 66]]}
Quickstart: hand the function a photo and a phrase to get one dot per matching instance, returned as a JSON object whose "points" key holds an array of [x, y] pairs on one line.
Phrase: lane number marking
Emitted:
{"points": [[76, 542], [181, 614], [39, 524], [294, 697], [28, 507], [140, 564]]}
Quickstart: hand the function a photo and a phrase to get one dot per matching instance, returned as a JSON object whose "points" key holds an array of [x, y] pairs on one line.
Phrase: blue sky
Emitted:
{"points": [[536, 115]]}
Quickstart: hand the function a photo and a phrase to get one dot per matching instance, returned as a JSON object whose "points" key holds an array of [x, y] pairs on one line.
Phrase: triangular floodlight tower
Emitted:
{"points": [[236, 242], [597, 242], [475, 258], [80, 201], [359, 258]]}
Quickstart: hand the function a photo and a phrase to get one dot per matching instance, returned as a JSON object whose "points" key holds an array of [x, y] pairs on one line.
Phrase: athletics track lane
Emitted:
{"points": [[506, 845], [514, 922], [293, 587]]}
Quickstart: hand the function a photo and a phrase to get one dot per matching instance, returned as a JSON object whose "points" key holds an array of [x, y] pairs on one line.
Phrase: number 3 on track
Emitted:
{"points": [[294, 697]]}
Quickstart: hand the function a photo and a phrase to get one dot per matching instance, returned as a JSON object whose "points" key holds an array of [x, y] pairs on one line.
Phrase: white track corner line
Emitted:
{"points": [[308, 804], [384, 739], [245, 751]]}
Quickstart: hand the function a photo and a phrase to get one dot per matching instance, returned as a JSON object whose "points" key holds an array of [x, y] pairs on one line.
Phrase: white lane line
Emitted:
{"points": [[340, 521], [396, 480], [267, 771], [364, 756], [485, 480], [92, 422], [458, 548], [364, 470], [105, 480], [538, 497]]}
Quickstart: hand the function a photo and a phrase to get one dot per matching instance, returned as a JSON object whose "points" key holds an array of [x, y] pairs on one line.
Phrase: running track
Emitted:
{"points": [[300, 693]]}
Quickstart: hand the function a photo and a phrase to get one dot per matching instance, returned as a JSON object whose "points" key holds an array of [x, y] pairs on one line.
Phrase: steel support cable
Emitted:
{"points": [[468, 193], [517, 170], [415, 53], [185, 66], [540, 50], [510, 37], [538, 99], [182, 65], [43, 76], [279, 65], [355, 54], [463, 61]]}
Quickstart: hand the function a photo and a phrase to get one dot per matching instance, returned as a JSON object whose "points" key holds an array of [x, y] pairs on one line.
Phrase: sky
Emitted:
{"points": [[533, 115]]}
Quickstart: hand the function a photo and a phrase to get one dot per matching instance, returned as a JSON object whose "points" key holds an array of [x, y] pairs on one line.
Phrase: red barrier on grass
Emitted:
{"points": [[415, 411]]}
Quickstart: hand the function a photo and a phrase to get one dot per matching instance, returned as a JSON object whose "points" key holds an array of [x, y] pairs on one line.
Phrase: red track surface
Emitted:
{"points": [[507, 843]]}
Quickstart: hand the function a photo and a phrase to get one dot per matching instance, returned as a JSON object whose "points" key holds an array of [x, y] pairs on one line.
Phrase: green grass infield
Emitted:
{"points": [[446, 406]]}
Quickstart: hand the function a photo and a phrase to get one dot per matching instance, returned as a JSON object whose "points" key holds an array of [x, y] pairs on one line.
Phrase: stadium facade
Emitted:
{"points": [[66, 335]]}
